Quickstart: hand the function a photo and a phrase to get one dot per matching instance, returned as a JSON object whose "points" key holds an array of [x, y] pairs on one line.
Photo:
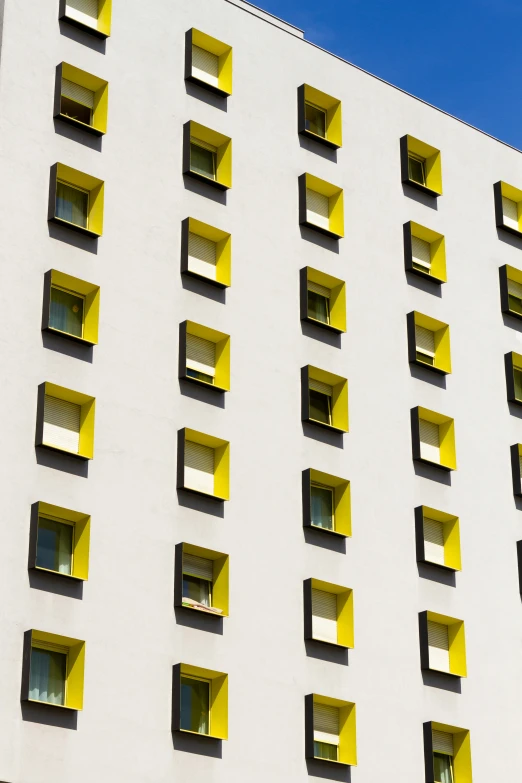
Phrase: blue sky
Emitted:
{"points": [[463, 56]]}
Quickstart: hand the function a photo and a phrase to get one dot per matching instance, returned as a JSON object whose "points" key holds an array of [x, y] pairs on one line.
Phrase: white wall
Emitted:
{"points": [[126, 615]]}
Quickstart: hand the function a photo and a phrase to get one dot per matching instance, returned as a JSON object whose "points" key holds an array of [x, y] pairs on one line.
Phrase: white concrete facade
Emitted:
{"points": [[126, 615]]}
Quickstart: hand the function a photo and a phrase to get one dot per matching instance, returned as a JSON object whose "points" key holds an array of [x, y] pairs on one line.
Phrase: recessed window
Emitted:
{"points": [[424, 345], [330, 730], [513, 366], [77, 102], [328, 613], [447, 753], [195, 705], [318, 302], [320, 402], [48, 675], [515, 296], [443, 757], [323, 514], [324, 398], [93, 16], [326, 732], [66, 311], [203, 159], [81, 99], [197, 581], [438, 538], [65, 421], [200, 701], [53, 670], [417, 169], [72, 204], [516, 468], [438, 643], [424, 252], [323, 299], [326, 502], [443, 644], [205, 66], [204, 464], [71, 307], [76, 200], [319, 116], [317, 209], [201, 359], [208, 62], [202, 256], [206, 252], [421, 165], [429, 342], [207, 155], [84, 11], [321, 206], [54, 550], [315, 119], [508, 207], [433, 436], [421, 254], [202, 580], [59, 541], [204, 356]]}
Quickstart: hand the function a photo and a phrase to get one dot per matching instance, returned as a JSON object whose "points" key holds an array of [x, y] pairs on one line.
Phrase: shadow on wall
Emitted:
{"points": [[443, 577], [199, 621], [202, 189], [54, 342], [199, 503], [77, 135], [325, 540], [326, 652], [192, 743], [327, 243], [512, 322], [428, 376], [48, 715], [202, 394], [321, 769], [203, 289], [57, 461], [202, 94], [75, 34], [70, 237], [428, 286], [442, 681], [422, 198], [323, 435], [318, 333], [58, 585], [509, 239], [432, 473], [318, 148]]}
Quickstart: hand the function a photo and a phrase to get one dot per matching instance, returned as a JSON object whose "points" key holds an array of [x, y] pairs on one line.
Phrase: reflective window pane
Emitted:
{"points": [[320, 407], [47, 677], [318, 307], [76, 110], [443, 768], [417, 170], [197, 589], [71, 204], [315, 120], [54, 546], [66, 312], [322, 507], [202, 161], [195, 705]]}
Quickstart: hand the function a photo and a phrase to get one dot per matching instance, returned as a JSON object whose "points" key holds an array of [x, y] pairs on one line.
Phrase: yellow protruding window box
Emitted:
{"points": [[447, 752], [321, 206], [508, 207], [70, 557], [71, 307], [421, 166], [424, 252], [206, 253], [47, 654], [65, 421], [203, 464], [323, 300], [324, 398], [208, 62], [330, 730], [204, 356], [511, 290], [319, 116], [429, 342], [207, 155], [513, 367], [202, 580], [92, 17], [326, 503], [442, 644], [328, 613], [76, 200], [516, 468], [200, 702], [433, 438], [81, 99], [438, 538]]}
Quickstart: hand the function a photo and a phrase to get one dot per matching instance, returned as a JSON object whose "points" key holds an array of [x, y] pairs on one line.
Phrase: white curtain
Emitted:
{"points": [[47, 677]]}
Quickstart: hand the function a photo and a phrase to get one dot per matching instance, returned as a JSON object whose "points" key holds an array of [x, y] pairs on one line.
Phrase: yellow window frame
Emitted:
{"points": [[87, 412], [221, 50], [332, 108], [100, 88], [441, 334], [433, 165], [74, 681]]}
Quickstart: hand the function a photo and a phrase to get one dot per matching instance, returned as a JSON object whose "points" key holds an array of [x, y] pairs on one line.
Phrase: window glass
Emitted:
{"points": [[320, 407], [443, 768], [315, 120], [318, 307], [323, 750], [75, 110], [202, 160], [423, 357], [197, 589], [55, 545], [47, 677], [322, 507], [72, 204], [417, 169], [195, 705], [515, 304], [517, 375], [66, 313]]}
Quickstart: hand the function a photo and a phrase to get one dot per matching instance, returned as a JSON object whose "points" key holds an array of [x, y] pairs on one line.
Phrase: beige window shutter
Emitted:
{"points": [[77, 93], [199, 467], [201, 355], [324, 616], [510, 212], [514, 289], [429, 440], [61, 424], [443, 742], [433, 540], [425, 340], [202, 256], [326, 723], [205, 66], [317, 209], [193, 565], [438, 644], [421, 252], [319, 289], [318, 386], [84, 11]]}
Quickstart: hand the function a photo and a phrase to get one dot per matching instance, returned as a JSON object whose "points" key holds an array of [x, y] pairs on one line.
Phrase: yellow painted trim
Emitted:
{"points": [[223, 248], [81, 538], [457, 642], [442, 359], [339, 397], [221, 460], [333, 109], [337, 296], [91, 294], [88, 405], [347, 727], [220, 575], [95, 187], [437, 249], [515, 194], [224, 53], [342, 499], [335, 197], [432, 157], [222, 341], [451, 533], [345, 624], [448, 452], [104, 16], [462, 751], [75, 664], [223, 144], [218, 697], [99, 87]]}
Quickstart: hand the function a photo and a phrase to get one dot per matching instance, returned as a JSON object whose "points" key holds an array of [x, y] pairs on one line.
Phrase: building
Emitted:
{"points": [[175, 401]]}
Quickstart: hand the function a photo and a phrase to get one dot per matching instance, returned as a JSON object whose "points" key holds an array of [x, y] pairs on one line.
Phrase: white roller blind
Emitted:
{"points": [[202, 256], [61, 424], [433, 540], [199, 467], [515, 289], [318, 386], [438, 645], [510, 212], [205, 66], [319, 289], [326, 723], [317, 208], [425, 340], [197, 566], [85, 11], [78, 93], [429, 440], [443, 742], [201, 354], [421, 252], [324, 616]]}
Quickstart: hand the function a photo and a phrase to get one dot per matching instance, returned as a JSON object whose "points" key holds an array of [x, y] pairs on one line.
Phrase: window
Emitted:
{"points": [[321, 206], [511, 290], [206, 253], [324, 398], [81, 99], [513, 367], [53, 670], [76, 200], [326, 502], [92, 16], [447, 753], [208, 62], [320, 401], [207, 155], [516, 468], [438, 538], [429, 342], [323, 299], [421, 166], [328, 613], [65, 421], [200, 701], [433, 438], [319, 116], [203, 464], [424, 252], [59, 541], [443, 644], [71, 307], [204, 356], [330, 730], [202, 580], [508, 207]]}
